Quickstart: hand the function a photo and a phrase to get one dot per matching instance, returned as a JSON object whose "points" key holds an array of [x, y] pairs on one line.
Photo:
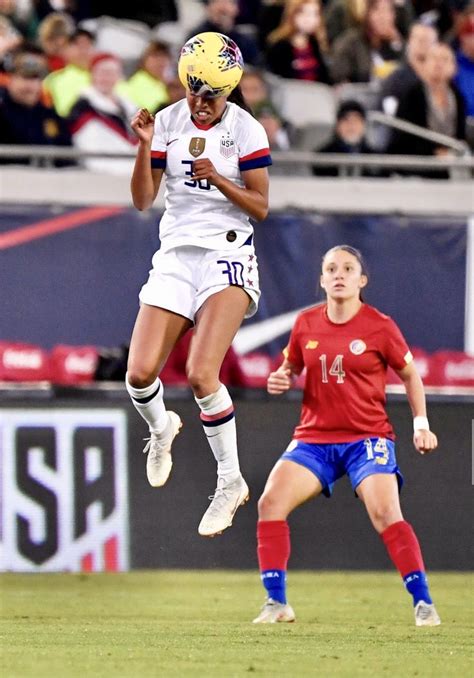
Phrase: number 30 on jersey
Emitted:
{"points": [[195, 183]]}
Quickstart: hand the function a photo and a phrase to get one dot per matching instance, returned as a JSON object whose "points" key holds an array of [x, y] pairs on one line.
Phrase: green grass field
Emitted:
{"points": [[181, 623]]}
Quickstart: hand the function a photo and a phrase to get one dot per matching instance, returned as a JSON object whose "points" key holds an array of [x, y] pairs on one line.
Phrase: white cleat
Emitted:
{"points": [[426, 615], [273, 612], [223, 506], [158, 447]]}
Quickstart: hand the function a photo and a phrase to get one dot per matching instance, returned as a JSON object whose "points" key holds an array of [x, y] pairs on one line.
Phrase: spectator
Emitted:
{"points": [[221, 16], [436, 13], [343, 14], [270, 18], [54, 33], [175, 92], [21, 16], [465, 59], [24, 119], [434, 103], [151, 12], [348, 137], [147, 86], [255, 90], [10, 37], [371, 52], [77, 9], [100, 117], [249, 12], [25, 49], [296, 47], [256, 95], [420, 41], [65, 85], [273, 126]]}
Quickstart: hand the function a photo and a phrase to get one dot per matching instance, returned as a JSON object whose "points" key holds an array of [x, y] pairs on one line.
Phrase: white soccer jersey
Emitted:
{"points": [[197, 213]]}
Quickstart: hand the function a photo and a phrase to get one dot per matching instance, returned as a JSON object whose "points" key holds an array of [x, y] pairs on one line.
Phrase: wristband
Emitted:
{"points": [[421, 423]]}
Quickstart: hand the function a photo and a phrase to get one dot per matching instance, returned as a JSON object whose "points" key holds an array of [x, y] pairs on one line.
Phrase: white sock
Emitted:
{"points": [[149, 403], [217, 417]]}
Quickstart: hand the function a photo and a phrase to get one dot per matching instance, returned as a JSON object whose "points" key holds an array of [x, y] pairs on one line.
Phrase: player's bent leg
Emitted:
{"points": [[288, 486], [379, 493], [217, 321], [155, 334]]}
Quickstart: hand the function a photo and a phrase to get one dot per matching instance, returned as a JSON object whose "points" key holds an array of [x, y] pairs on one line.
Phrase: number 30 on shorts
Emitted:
{"points": [[234, 270]]}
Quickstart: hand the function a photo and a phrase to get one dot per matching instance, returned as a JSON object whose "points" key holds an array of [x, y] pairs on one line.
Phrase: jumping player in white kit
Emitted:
{"points": [[214, 156]]}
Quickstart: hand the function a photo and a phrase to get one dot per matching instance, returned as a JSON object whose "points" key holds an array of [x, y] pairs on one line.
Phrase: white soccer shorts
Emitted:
{"points": [[183, 278]]}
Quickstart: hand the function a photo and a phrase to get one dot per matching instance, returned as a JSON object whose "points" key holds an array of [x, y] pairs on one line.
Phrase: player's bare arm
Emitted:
{"points": [[424, 440], [282, 379], [253, 199], [145, 180]]}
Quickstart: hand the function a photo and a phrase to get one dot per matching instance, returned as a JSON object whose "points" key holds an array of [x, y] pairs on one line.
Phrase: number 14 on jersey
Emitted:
{"points": [[336, 369]]}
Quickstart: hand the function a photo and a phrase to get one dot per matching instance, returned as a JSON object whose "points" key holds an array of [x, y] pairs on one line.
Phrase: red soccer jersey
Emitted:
{"points": [[344, 394]]}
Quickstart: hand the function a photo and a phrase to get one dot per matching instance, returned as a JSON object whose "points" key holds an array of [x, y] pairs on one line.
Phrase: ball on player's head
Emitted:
{"points": [[210, 64]]}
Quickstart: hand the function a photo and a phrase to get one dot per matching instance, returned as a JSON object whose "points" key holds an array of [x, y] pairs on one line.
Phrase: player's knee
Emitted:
{"points": [[201, 378], [140, 377], [384, 515], [270, 507]]}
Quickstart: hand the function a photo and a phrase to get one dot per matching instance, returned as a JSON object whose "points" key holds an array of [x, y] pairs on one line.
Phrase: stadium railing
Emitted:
{"points": [[459, 146], [47, 155]]}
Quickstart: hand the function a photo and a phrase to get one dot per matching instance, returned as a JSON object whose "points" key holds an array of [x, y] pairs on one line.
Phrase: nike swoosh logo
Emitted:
{"points": [[172, 141], [251, 337]]}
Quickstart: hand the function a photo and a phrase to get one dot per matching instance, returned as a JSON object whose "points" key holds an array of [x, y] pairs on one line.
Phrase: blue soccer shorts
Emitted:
{"points": [[358, 459]]}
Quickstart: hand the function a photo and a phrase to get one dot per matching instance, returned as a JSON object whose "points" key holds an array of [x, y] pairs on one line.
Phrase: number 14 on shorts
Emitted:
{"points": [[377, 452]]}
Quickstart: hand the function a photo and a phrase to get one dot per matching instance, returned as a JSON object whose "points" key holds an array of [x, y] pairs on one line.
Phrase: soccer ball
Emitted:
{"points": [[210, 64]]}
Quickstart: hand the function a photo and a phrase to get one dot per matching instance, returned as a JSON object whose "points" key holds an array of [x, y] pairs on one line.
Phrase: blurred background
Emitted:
{"points": [[369, 109]]}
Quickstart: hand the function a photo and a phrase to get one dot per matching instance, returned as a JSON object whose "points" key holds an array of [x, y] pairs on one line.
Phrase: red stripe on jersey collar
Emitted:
{"points": [[204, 127]]}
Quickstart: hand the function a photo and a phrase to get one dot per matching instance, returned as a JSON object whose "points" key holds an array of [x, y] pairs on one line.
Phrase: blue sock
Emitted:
{"points": [[416, 583], [275, 584]]}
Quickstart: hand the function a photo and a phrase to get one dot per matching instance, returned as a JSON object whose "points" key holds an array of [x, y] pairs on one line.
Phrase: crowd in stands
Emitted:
{"points": [[413, 59]]}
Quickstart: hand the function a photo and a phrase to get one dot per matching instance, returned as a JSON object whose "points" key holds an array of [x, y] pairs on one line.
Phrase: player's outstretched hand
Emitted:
{"points": [[143, 124], [279, 381], [204, 169], [425, 441]]}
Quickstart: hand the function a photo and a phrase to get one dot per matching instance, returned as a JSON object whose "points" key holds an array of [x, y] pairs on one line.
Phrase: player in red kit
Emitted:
{"points": [[345, 346]]}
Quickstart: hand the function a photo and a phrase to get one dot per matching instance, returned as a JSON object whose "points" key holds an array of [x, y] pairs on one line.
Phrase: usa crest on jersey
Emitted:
{"points": [[227, 147]]}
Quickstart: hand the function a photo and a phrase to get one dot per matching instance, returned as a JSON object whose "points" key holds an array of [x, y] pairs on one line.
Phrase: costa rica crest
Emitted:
{"points": [[357, 347]]}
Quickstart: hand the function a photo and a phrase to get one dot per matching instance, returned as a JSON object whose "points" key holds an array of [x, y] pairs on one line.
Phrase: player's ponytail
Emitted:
{"points": [[236, 97]]}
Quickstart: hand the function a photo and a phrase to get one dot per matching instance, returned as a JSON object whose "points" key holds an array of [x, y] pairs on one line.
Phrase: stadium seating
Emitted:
{"points": [[125, 39], [310, 107]]}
